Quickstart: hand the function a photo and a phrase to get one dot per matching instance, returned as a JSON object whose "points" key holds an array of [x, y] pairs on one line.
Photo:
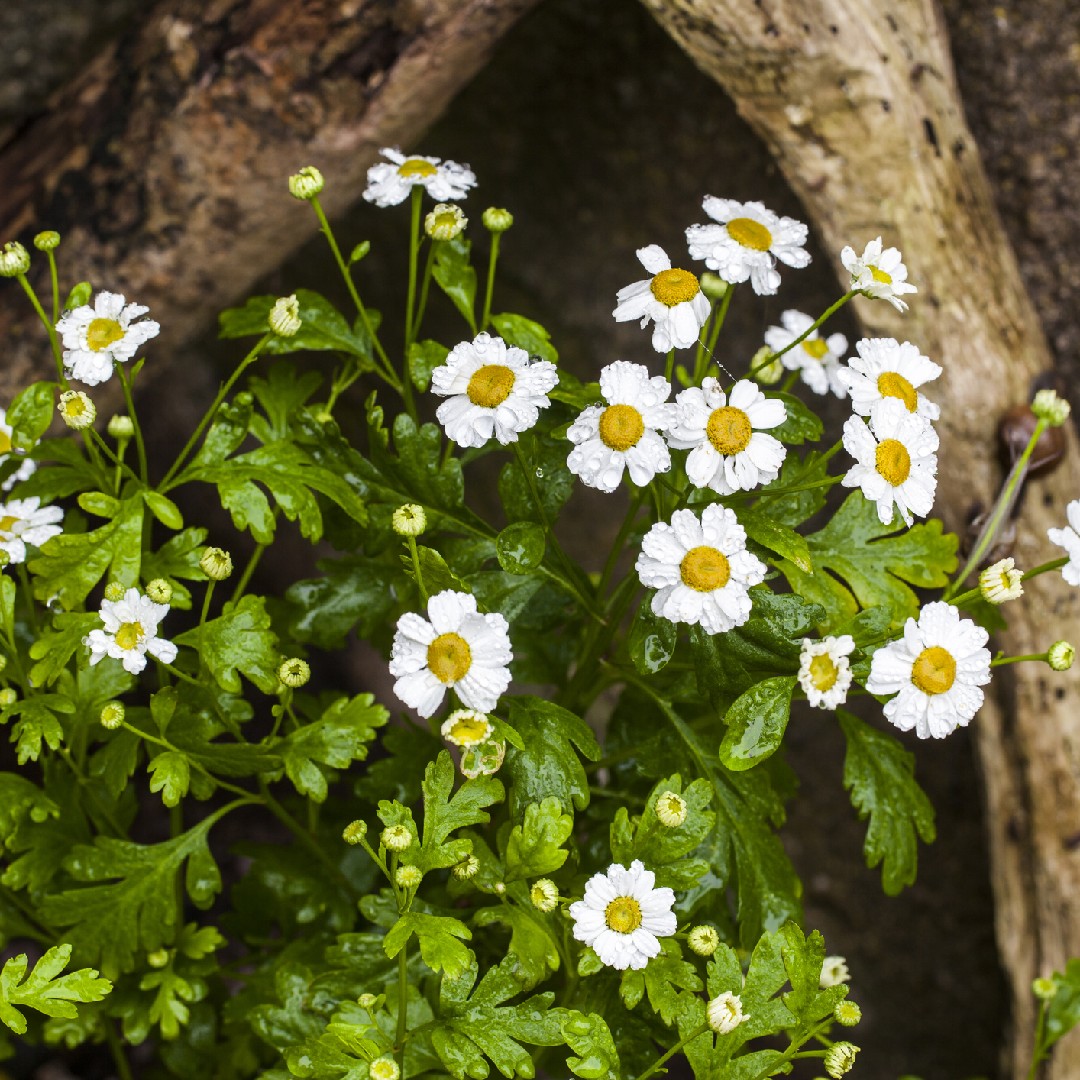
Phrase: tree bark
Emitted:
{"points": [[858, 103], [164, 164]]}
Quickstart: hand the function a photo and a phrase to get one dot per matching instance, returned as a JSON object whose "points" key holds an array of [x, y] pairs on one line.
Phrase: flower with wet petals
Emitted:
{"points": [[390, 182], [26, 521], [825, 670], [97, 336], [1069, 539], [130, 631], [816, 358], [671, 299], [879, 274], [888, 371]]}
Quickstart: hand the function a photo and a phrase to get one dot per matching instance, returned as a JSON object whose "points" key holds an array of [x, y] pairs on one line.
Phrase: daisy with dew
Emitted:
{"points": [[390, 182], [935, 670], [878, 274], [623, 915], [746, 242], [825, 671], [492, 389], [817, 359], [729, 450], [887, 370], [1069, 539], [26, 521], [27, 466], [95, 337], [130, 632], [671, 299], [456, 648], [624, 434], [895, 461], [700, 569]]}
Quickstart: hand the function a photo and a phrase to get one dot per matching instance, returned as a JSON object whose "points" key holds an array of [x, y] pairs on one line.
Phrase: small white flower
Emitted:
{"points": [[729, 451], [624, 434], [492, 389], [456, 647], [879, 274], [1069, 539], [96, 337], [26, 521], [700, 569], [28, 466], [747, 243], [725, 1013], [130, 632], [390, 182], [825, 671], [672, 299], [935, 670], [834, 972], [623, 914], [1001, 582], [896, 461], [817, 359], [887, 370]]}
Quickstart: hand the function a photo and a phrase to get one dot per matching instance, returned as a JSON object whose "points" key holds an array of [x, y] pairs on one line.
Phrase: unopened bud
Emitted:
{"points": [[496, 220], [840, 1059], [8, 697], [1051, 407], [159, 590], [704, 940], [1044, 989], [467, 868], [384, 1068], [396, 838], [1001, 582], [14, 259], [306, 184], [671, 809], [284, 318], [544, 895], [76, 409], [354, 832], [112, 715], [114, 591], [713, 286], [764, 369], [724, 1013], [121, 427], [445, 222], [158, 958], [294, 672], [216, 563], [1060, 656], [47, 241], [847, 1013], [409, 520], [367, 1001], [408, 877]]}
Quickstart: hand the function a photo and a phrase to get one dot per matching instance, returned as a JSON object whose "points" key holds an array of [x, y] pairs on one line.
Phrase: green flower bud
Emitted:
{"points": [[1060, 656], [384, 1068], [396, 838], [8, 697], [14, 259], [770, 371], [840, 1059], [367, 1001], [306, 184], [354, 832], [114, 591], [47, 241], [294, 672], [158, 958], [847, 1013], [1044, 989], [216, 563], [466, 869], [496, 220], [1050, 407], [112, 715], [704, 940], [409, 520], [121, 427], [76, 409], [544, 895], [713, 286], [670, 809], [159, 590], [445, 222], [284, 318], [408, 877]]}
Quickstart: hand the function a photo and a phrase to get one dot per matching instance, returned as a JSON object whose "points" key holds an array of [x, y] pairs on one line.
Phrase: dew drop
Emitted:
{"points": [[539, 474]]}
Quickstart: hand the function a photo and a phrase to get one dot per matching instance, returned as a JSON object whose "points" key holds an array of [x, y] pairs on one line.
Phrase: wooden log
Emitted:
{"points": [[858, 102]]}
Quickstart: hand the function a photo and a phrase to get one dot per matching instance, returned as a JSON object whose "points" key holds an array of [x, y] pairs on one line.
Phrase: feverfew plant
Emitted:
{"points": [[463, 877]]}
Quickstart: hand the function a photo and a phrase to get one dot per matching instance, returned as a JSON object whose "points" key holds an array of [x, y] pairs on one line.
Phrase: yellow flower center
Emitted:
{"points": [[880, 275], [704, 569], [749, 233], [934, 670], [621, 426], [416, 167], [890, 384], [892, 461], [449, 658], [127, 637], [672, 287], [623, 915], [729, 430], [823, 672], [816, 347], [5, 443], [490, 385], [7, 523], [469, 730], [102, 333]]}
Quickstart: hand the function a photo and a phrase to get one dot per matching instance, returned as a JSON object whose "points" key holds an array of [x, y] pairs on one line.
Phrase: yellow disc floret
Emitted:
{"points": [[890, 384], [880, 276], [823, 672], [934, 670], [705, 569], [816, 347], [416, 167], [892, 461], [750, 233], [623, 915], [449, 658], [127, 637], [101, 333], [673, 287], [729, 430], [490, 385], [621, 427]]}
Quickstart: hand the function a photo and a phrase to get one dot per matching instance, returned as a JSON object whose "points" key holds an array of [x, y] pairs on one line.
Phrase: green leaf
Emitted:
{"points": [[662, 978], [651, 640], [21, 799], [803, 957], [533, 947], [787, 543], [879, 773], [45, 989], [553, 481], [99, 504], [1063, 1009], [795, 507], [177, 560], [549, 765], [239, 641], [57, 644], [525, 334], [534, 848], [802, 424], [171, 775], [37, 725], [444, 814], [456, 278], [424, 358], [520, 547], [165, 510], [282, 394], [79, 296], [756, 723], [30, 414], [440, 938], [590, 1039]]}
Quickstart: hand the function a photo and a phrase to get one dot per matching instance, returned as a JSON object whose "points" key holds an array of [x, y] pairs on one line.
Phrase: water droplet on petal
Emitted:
{"points": [[539, 474]]}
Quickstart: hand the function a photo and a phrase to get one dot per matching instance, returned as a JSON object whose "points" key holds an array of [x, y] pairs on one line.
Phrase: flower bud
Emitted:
{"points": [[47, 241], [216, 563], [763, 369], [847, 1013], [409, 520], [704, 940], [408, 877], [1050, 407], [76, 409], [14, 259], [159, 590], [396, 838], [500, 888], [496, 220], [114, 591], [1001, 582], [112, 715], [1044, 989], [158, 958], [840, 1059], [384, 1068], [306, 184], [671, 809], [834, 971], [713, 286], [294, 672], [466, 728], [3, 663], [284, 318], [8, 697], [544, 895], [1060, 656], [354, 832], [724, 1013], [121, 427], [445, 222], [367, 1001], [466, 869]]}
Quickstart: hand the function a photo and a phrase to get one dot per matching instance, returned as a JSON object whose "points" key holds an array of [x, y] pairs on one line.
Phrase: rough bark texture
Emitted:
{"points": [[164, 163], [858, 103]]}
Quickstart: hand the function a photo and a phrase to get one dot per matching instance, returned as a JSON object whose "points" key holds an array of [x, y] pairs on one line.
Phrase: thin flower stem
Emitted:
{"points": [[829, 311], [1043, 568], [669, 365], [252, 563], [1001, 661], [415, 556], [55, 287], [28, 594], [202, 621], [403, 1006], [651, 1070], [425, 287], [1038, 1053], [493, 258], [789, 382], [704, 355], [54, 341], [410, 303], [129, 401], [620, 538], [116, 1048]]}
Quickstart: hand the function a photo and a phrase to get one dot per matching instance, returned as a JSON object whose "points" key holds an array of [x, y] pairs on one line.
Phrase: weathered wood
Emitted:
{"points": [[164, 164], [858, 103]]}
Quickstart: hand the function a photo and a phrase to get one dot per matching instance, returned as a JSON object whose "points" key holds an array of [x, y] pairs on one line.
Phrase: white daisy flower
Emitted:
{"points": [[456, 647], [624, 434], [817, 359], [888, 370], [390, 182], [1069, 539], [825, 671], [672, 299], [935, 670], [130, 632], [492, 389], [834, 972], [879, 274], [747, 243], [28, 466], [728, 450], [896, 461], [96, 337], [26, 521], [622, 916], [700, 569]]}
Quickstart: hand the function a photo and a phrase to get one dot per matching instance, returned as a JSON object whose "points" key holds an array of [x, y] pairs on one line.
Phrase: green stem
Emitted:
{"points": [[425, 287], [651, 1070], [403, 1005], [789, 382], [54, 341], [252, 563], [669, 365], [28, 595], [704, 355], [55, 287], [410, 302], [415, 556], [11, 897], [116, 1048], [1001, 661], [829, 311], [1038, 1053], [202, 621], [493, 257], [129, 402]]}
